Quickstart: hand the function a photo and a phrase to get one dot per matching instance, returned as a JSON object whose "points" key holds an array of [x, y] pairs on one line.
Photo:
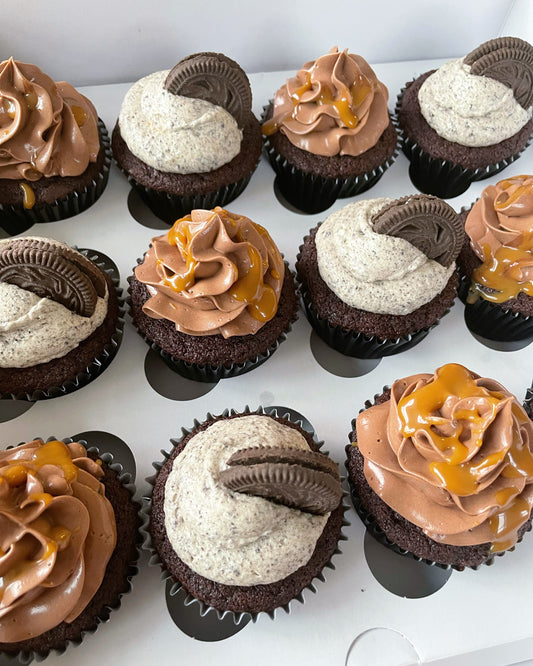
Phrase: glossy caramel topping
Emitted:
{"points": [[28, 196], [452, 453], [333, 106], [500, 227], [214, 272]]}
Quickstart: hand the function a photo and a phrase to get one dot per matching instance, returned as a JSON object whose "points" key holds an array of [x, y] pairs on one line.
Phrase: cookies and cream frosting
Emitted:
{"points": [[371, 271], [334, 105], [47, 128], [214, 272], [230, 537], [452, 453], [469, 109], [58, 534], [176, 134]]}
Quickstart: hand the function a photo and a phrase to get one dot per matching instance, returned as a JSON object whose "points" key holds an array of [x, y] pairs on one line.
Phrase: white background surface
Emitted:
{"points": [[474, 610]]}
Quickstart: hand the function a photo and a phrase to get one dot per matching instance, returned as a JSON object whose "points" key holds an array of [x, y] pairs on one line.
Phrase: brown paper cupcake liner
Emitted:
{"points": [[377, 532], [14, 220], [125, 480], [99, 364], [155, 559], [442, 178], [313, 194]]}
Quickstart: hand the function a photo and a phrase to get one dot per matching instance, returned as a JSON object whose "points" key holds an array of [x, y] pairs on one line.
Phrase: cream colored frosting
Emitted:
{"points": [[231, 537], [371, 271], [58, 534], [176, 134], [469, 109]]}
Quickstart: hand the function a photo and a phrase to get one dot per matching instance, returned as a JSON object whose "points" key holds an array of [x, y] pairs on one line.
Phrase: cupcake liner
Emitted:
{"points": [[528, 402], [208, 372], [494, 322], [170, 207], [27, 656], [313, 194], [99, 364], [442, 178], [15, 220], [155, 559]]}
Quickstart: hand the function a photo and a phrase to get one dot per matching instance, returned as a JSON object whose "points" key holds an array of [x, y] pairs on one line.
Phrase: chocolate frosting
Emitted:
{"points": [[46, 128], [452, 453], [57, 533], [334, 105], [214, 272]]}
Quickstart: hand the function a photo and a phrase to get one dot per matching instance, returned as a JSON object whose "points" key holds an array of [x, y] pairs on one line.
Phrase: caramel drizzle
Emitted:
{"points": [[346, 104], [28, 196], [419, 412]]}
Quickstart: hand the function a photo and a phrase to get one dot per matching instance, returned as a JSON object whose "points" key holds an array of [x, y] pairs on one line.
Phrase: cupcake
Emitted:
{"points": [[187, 138], [328, 131], [60, 318], [69, 545], [245, 512], [378, 274], [468, 119], [496, 262], [213, 295], [441, 467], [54, 150]]}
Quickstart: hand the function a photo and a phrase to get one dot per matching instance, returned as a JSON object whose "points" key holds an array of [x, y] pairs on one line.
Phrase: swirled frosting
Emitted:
{"points": [[469, 109], [176, 134], [500, 227], [453, 453], [47, 128], [335, 105], [375, 272], [214, 272], [57, 535], [231, 537]]}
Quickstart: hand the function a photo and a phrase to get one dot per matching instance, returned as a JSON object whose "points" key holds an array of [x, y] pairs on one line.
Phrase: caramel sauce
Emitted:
{"points": [[31, 99], [79, 115], [419, 412], [28, 196], [346, 104], [509, 203]]}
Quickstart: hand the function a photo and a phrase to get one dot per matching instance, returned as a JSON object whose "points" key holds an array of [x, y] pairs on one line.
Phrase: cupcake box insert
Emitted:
{"points": [[466, 613]]}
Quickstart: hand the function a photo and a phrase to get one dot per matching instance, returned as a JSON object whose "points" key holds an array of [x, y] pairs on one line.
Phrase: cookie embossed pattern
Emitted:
{"points": [[356, 603]]}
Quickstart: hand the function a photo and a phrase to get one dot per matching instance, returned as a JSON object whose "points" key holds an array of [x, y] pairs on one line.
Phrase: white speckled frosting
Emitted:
{"points": [[36, 330], [230, 537], [468, 109], [375, 272], [176, 134]]}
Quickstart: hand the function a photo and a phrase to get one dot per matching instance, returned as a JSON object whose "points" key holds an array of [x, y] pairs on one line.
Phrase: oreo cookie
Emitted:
{"points": [[53, 271], [508, 60], [215, 78], [427, 222], [300, 479]]}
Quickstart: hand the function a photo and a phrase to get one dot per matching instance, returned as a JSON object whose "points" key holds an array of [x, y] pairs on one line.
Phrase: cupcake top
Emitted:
{"points": [[500, 228], [233, 537], [403, 260], [335, 105], [452, 453], [58, 533], [47, 128], [175, 125], [483, 98], [214, 272], [51, 299]]}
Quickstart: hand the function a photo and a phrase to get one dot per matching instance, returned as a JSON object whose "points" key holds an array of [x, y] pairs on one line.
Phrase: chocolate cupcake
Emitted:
{"points": [[496, 261], [378, 274], [265, 519], [213, 295], [54, 150], [440, 468], [60, 316], [328, 131], [470, 118], [70, 545], [187, 138]]}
